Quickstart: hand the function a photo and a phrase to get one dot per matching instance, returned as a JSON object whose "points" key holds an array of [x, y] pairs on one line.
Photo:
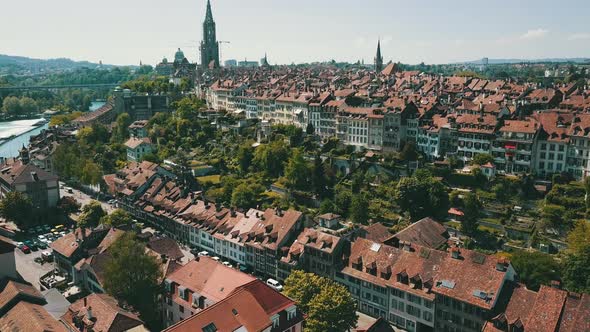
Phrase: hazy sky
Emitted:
{"points": [[412, 31]]}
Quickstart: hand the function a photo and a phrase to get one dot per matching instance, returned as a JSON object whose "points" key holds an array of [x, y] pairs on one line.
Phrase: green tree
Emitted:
{"points": [[246, 195], [297, 171], [471, 210], [91, 173], [359, 209], [245, 155], [342, 201], [328, 305], [535, 268], [11, 106], [68, 205], [422, 196], [17, 207], [91, 214], [310, 130], [318, 177], [579, 237], [482, 159], [133, 276], [576, 270], [409, 152], [117, 218], [271, 157], [28, 106], [121, 129], [327, 206]]}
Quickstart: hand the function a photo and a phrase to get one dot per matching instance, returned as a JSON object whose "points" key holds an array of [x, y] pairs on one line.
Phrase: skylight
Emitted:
{"points": [[375, 247]]}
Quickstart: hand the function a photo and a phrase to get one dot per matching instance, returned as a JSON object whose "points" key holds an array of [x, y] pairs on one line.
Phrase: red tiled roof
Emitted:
{"points": [[28, 317]]}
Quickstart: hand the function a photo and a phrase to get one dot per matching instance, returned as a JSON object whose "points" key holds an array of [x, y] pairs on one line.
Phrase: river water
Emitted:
{"points": [[21, 130]]}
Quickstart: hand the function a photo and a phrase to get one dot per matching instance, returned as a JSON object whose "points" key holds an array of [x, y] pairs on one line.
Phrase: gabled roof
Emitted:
{"points": [[424, 232], [249, 307], [15, 291], [18, 172], [29, 317]]}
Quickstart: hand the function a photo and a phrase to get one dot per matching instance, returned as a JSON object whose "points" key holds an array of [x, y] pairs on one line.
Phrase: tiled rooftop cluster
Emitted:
{"points": [[443, 115]]}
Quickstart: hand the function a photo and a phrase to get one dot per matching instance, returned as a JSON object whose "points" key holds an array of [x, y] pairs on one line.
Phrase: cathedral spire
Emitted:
{"points": [[209, 14], [378, 58]]}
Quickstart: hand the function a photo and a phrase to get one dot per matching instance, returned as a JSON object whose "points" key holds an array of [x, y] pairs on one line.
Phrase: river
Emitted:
{"points": [[21, 131]]}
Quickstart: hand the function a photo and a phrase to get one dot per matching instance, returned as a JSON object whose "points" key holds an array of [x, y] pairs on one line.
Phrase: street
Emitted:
{"points": [[82, 197]]}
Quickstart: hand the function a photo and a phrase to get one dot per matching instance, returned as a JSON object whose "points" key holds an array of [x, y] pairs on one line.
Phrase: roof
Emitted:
{"points": [[69, 243], [424, 232], [29, 317], [107, 313], [166, 246], [376, 232], [249, 307], [209, 278], [435, 270], [18, 172], [15, 291], [6, 245], [135, 142]]}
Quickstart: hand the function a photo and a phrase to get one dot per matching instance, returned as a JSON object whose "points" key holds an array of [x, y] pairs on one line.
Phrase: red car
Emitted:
{"points": [[25, 249]]}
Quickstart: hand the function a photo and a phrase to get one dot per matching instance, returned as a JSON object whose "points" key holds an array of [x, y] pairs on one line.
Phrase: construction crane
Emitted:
{"points": [[221, 42]]}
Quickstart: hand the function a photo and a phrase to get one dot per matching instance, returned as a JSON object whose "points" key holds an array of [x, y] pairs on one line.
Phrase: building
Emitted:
{"points": [[253, 307], [101, 312], [138, 129], [378, 59], [7, 259], [137, 148], [197, 285], [138, 106], [39, 185], [209, 43], [69, 249], [549, 310], [230, 63], [417, 288]]}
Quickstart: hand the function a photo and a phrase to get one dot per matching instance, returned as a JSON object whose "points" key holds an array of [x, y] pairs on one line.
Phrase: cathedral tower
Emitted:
{"points": [[378, 58], [209, 44]]}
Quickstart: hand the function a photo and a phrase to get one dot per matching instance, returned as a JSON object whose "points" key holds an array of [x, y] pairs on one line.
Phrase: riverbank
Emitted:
{"points": [[15, 134]]}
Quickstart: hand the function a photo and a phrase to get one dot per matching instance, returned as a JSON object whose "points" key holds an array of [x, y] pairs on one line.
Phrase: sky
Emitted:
{"points": [[125, 32]]}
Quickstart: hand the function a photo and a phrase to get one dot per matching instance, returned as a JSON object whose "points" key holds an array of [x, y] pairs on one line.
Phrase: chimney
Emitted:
{"points": [[407, 245], [89, 314], [85, 302], [501, 264], [455, 253]]}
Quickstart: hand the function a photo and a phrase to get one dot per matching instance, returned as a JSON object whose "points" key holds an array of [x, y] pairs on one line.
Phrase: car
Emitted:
{"points": [[59, 227], [274, 284], [46, 228], [41, 237], [42, 245], [228, 264], [62, 233], [216, 258], [25, 249], [203, 253]]}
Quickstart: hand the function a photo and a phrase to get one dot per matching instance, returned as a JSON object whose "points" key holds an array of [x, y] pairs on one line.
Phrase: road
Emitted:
{"points": [[28, 268], [82, 197]]}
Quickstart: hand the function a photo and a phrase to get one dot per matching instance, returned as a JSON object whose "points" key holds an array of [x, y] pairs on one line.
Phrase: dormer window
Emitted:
{"points": [[402, 277]]}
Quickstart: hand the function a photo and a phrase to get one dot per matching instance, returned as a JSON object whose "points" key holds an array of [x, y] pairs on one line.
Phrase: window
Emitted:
{"points": [[210, 328], [397, 293], [414, 299], [427, 315], [413, 310], [181, 308]]}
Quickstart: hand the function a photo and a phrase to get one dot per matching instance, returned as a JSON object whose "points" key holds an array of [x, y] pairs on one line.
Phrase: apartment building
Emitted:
{"points": [[418, 288], [513, 149]]}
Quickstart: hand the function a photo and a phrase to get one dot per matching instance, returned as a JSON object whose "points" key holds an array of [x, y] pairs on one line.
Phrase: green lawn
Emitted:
{"points": [[215, 179]]}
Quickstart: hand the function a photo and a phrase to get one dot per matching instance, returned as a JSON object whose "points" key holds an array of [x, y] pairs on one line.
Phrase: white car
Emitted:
{"points": [[216, 258], [228, 264], [203, 253], [274, 284]]}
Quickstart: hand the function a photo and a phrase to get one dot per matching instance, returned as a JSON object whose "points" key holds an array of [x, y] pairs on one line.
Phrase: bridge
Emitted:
{"points": [[59, 87]]}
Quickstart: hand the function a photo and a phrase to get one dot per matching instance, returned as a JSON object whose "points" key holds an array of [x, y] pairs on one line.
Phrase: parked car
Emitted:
{"points": [[203, 253], [25, 249], [228, 264], [216, 258], [274, 284]]}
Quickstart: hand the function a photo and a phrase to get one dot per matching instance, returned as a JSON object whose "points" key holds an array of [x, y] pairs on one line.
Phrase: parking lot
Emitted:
{"points": [[30, 270], [81, 197]]}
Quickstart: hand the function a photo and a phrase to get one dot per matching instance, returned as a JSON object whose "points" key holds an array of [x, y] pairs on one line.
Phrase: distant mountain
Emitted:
{"points": [[510, 61], [20, 64]]}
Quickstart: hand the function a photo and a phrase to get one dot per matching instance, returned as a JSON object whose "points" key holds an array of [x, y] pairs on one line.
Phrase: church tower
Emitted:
{"points": [[378, 58], [209, 44]]}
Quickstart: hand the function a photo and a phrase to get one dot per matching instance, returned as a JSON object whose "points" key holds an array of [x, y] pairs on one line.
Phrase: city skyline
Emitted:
{"points": [[303, 31]]}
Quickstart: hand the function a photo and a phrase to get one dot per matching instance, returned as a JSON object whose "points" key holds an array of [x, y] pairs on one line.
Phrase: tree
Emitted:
{"points": [[471, 210], [271, 157], [422, 196], [576, 270], [117, 218], [409, 152], [68, 205], [297, 171], [318, 178], [121, 129], [133, 276], [329, 306], [482, 159], [327, 206], [579, 237], [91, 214], [342, 201], [535, 268], [91, 173], [246, 194], [310, 130], [245, 156], [17, 207], [11, 106], [359, 209]]}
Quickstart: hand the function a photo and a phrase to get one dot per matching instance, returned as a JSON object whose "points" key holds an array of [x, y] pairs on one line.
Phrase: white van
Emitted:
{"points": [[274, 284]]}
